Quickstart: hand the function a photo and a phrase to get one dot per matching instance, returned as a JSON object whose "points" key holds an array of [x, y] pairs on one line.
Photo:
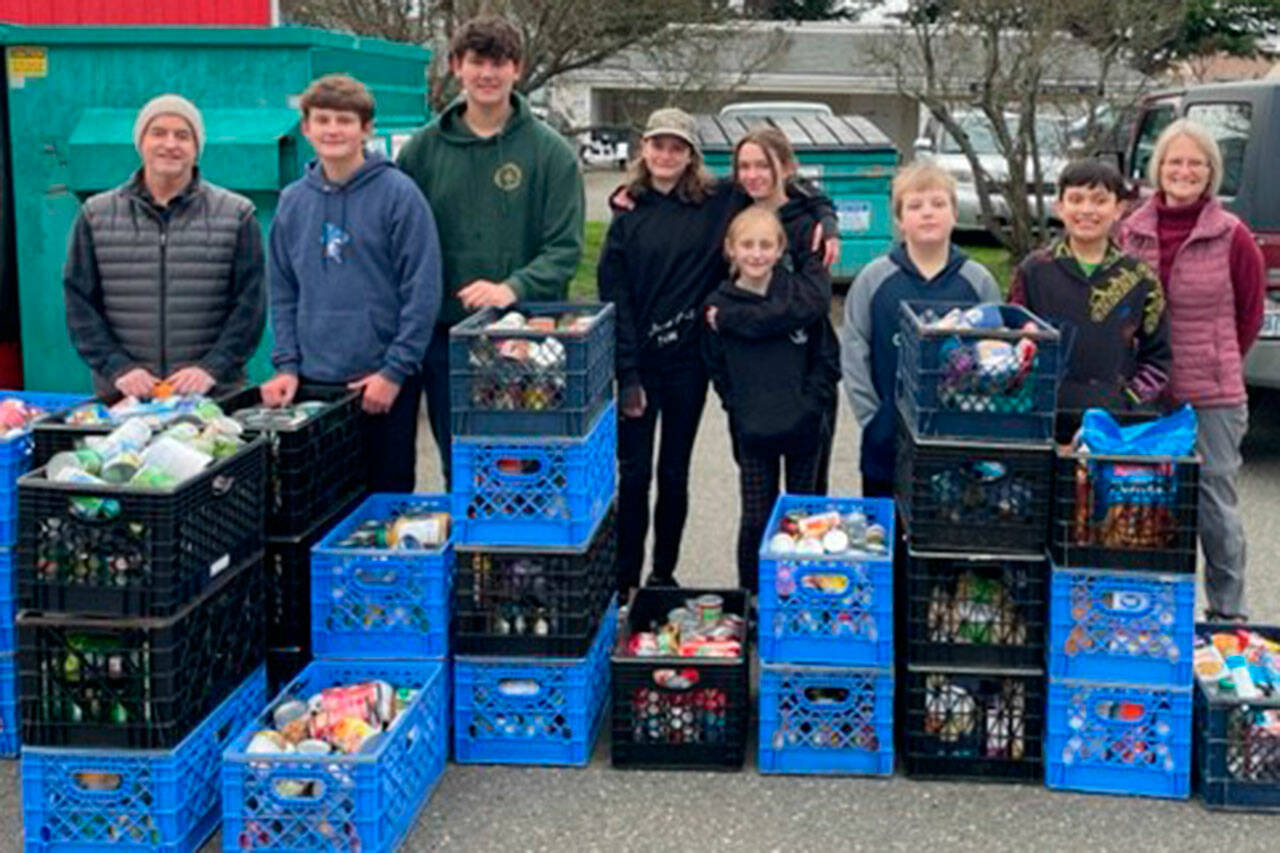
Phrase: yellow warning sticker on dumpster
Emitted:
{"points": [[28, 61]]}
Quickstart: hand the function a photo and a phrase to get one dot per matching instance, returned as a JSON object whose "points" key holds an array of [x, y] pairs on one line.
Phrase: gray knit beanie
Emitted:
{"points": [[169, 105]]}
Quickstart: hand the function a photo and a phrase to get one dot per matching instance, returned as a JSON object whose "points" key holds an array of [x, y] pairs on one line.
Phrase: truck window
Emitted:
{"points": [[1229, 123], [1153, 121]]}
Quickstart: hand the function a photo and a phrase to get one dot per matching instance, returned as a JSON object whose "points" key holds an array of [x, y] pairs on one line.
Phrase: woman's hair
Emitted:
{"points": [[777, 150], [756, 214], [694, 185], [919, 177], [1202, 138]]}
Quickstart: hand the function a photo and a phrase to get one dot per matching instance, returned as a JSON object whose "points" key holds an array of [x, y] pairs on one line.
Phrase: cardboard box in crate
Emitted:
{"points": [[529, 382], [138, 683], [135, 800], [114, 550], [367, 801]]}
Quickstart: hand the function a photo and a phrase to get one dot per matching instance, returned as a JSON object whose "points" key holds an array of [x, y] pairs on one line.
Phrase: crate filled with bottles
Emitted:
{"points": [[534, 601], [975, 610], [1237, 716], [680, 680], [533, 710], [539, 369], [135, 800], [138, 683], [381, 580]]}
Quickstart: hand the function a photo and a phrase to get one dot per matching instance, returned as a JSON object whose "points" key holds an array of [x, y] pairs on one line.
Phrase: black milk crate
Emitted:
{"points": [[973, 610], [986, 726], [534, 601], [138, 683], [314, 466], [288, 577], [285, 663], [1125, 512], [674, 712], [939, 395], [502, 383], [1237, 742], [966, 496], [113, 550]]}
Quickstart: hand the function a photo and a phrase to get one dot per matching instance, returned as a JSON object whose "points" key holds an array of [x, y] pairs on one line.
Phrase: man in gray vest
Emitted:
{"points": [[164, 273]]}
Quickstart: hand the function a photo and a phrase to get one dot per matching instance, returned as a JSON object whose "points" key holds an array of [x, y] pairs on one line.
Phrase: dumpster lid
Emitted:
{"points": [[240, 153], [807, 133]]}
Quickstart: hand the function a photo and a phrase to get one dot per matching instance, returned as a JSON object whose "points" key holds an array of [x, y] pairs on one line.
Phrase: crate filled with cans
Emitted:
{"points": [[534, 476], [350, 749], [19, 411], [976, 395], [825, 637], [141, 624], [1122, 614]]}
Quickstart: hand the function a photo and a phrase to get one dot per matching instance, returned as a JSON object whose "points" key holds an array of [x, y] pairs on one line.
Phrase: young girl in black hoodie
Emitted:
{"points": [[776, 388]]}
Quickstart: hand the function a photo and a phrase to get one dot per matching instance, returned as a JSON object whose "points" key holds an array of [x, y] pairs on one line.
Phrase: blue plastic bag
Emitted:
{"points": [[1172, 435]]}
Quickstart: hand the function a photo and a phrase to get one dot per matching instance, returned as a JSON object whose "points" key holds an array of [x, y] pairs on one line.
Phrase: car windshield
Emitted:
{"points": [[1049, 136]]}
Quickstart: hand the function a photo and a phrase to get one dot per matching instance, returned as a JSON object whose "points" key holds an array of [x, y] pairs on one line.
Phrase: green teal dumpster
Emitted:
{"points": [[851, 158], [73, 92]]}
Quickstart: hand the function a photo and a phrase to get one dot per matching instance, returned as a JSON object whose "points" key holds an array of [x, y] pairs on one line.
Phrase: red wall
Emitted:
{"points": [[248, 13]]}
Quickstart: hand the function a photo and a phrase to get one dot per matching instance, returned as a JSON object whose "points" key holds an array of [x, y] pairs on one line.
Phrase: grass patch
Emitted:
{"points": [[994, 258], [582, 288]]}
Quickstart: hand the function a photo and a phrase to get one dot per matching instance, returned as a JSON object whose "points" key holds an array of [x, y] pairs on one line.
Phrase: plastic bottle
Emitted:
{"points": [[1239, 667]]}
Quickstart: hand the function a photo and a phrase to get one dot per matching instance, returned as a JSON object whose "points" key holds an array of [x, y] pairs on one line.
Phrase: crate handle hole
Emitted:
{"points": [[298, 789], [368, 577], [519, 687], [825, 583], [513, 467], [1124, 711], [676, 679], [826, 696], [97, 780], [92, 509], [1127, 603]]}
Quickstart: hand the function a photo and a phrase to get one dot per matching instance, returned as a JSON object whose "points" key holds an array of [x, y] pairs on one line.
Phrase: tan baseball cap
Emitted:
{"points": [[672, 121]]}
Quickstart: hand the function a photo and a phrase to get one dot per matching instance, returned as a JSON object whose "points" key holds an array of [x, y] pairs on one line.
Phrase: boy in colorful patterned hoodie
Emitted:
{"points": [[1109, 306]]}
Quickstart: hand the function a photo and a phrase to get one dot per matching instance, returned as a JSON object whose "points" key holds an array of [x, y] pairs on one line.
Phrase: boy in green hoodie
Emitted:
{"points": [[507, 193]]}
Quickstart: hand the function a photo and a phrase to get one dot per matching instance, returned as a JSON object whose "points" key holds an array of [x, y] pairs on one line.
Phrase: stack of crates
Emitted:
{"points": [[1122, 624], [825, 640], [140, 644], [973, 487], [379, 613], [15, 460], [534, 476]]}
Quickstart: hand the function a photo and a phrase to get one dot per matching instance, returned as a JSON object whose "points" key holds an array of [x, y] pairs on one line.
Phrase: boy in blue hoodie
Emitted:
{"points": [[924, 267], [354, 267]]}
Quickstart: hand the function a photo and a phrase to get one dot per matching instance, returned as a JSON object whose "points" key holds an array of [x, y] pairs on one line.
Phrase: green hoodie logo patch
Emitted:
{"points": [[508, 177]]}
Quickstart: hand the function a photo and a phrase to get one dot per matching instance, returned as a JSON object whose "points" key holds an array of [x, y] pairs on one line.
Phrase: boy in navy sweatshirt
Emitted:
{"points": [[924, 267], [1109, 306], [354, 266]]}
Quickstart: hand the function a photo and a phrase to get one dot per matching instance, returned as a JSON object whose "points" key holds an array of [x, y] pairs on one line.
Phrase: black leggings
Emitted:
{"points": [[758, 475], [677, 401]]}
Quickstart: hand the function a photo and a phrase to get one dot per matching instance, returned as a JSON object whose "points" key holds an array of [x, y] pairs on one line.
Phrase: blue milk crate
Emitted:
{"points": [[1119, 739], [521, 491], [825, 720], [1130, 627], [8, 603], [1237, 741], [500, 384], [381, 602], [81, 800], [367, 801], [532, 711], [16, 456], [942, 392], [10, 724], [827, 609]]}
